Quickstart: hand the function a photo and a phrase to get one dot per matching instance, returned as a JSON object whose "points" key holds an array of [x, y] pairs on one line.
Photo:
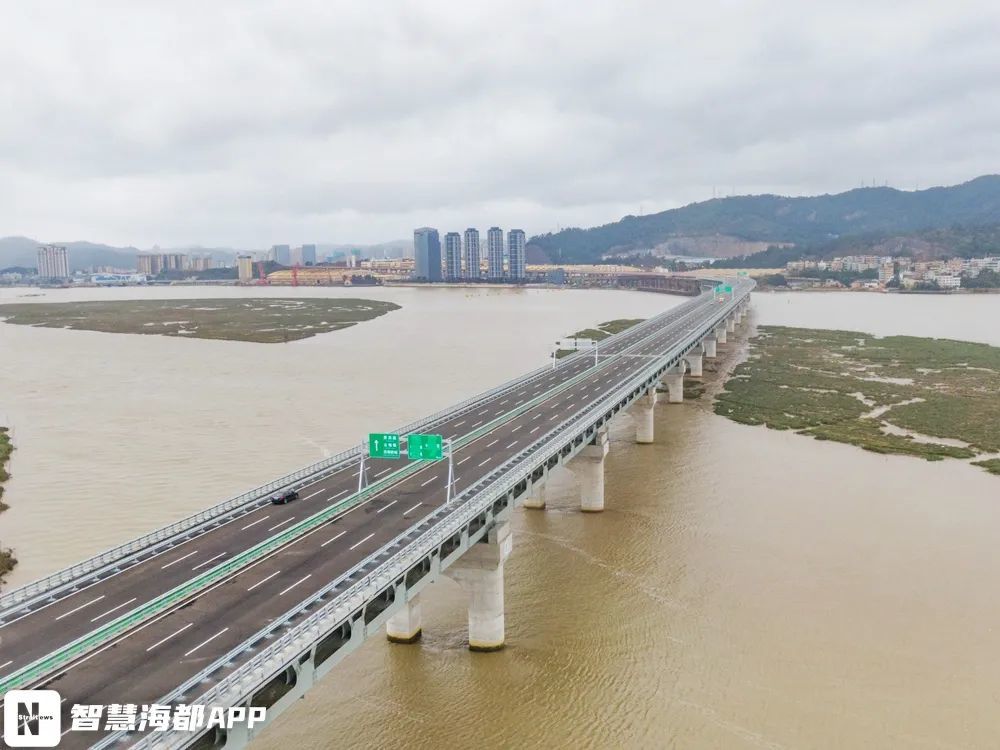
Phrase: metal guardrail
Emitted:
{"points": [[286, 647], [108, 631], [259, 495]]}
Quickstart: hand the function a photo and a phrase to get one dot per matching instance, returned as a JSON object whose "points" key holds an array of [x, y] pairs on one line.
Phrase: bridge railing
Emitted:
{"points": [[260, 495], [404, 551]]}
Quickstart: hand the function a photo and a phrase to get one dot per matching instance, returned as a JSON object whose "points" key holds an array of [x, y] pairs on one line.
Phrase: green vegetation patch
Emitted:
{"points": [[7, 559], [931, 398], [6, 448], [992, 465], [265, 321], [603, 331]]}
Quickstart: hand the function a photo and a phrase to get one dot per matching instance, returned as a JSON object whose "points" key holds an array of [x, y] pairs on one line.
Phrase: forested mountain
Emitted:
{"points": [[806, 222]]}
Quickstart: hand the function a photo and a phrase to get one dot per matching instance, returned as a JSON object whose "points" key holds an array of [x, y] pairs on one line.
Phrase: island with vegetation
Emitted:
{"points": [[931, 398], [601, 332], [7, 559], [260, 320]]}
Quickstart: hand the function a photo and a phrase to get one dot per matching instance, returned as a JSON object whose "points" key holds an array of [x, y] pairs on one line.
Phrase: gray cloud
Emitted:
{"points": [[249, 123]]}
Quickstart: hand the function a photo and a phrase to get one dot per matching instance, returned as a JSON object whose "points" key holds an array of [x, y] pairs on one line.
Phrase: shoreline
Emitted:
{"points": [[7, 559]]}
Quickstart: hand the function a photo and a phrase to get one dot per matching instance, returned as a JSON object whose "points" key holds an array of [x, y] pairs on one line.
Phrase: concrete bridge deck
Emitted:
{"points": [[146, 659]]}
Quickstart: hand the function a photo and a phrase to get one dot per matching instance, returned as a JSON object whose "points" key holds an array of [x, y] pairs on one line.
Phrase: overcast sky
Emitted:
{"points": [[250, 123]]}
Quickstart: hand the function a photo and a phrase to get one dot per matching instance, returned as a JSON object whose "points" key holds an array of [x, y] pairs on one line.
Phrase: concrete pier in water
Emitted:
{"points": [[588, 466], [480, 573], [404, 626]]}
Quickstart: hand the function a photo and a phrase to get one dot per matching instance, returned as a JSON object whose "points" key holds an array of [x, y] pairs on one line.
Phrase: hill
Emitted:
{"points": [[775, 220]]}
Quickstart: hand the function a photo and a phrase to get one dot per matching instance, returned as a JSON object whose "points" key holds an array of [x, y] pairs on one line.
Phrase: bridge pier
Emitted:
{"points": [[721, 334], [480, 573], [536, 497], [694, 361], [588, 465], [709, 345], [674, 380], [731, 324], [642, 413], [404, 626]]}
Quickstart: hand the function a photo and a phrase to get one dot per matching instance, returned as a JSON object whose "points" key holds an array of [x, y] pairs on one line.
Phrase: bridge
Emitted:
{"points": [[249, 603]]}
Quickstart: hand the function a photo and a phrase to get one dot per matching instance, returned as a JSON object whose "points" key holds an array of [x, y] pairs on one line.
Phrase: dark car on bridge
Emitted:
{"points": [[285, 497]]}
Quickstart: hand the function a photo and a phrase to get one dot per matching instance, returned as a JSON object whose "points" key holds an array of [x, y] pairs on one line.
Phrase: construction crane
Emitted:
{"points": [[295, 274], [262, 277]]}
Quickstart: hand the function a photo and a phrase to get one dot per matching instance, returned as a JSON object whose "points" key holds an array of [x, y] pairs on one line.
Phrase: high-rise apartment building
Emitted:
{"points": [[472, 270], [308, 255], [53, 263], [452, 256], [426, 254], [494, 253], [281, 254], [516, 254]]}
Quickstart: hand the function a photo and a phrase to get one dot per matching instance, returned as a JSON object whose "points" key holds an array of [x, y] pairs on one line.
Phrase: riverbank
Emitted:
{"points": [[7, 559], [258, 320], [929, 398]]}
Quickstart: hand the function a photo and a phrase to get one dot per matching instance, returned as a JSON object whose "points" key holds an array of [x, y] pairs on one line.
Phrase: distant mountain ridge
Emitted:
{"points": [[773, 219]]}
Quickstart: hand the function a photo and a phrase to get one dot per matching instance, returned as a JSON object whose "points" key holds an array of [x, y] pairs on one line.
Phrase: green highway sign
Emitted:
{"points": [[383, 445], [424, 447], [727, 289]]}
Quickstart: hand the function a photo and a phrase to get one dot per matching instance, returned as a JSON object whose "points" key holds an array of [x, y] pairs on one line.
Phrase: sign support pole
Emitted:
{"points": [[361, 470], [451, 473]]}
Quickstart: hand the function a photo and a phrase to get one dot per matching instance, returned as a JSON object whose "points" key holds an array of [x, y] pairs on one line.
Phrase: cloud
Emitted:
{"points": [[250, 123]]}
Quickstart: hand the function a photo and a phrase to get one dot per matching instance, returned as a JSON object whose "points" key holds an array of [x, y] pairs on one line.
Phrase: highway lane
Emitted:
{"points": [[31, 637], [184, 641]]}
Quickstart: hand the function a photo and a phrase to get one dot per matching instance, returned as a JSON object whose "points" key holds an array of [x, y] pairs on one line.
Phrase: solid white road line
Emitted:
{"points": [[363, 541], [405, 512], [386, 507], [92, 601], [173, 562], [202, 565], [176, 632], [203, 643], [255, 522], [114, 609], [279, 525], [333, 539], [264, 580], [304, 578], [424, 484]]}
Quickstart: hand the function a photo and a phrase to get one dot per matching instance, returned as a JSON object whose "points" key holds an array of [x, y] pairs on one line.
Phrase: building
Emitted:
{"points": [[472, 269], [308, 255], [426, 254], [244, 265], [281, 254], [144, 265], [453, 256], [494, 253], [53, 262], [515, 254], [153, 264]]}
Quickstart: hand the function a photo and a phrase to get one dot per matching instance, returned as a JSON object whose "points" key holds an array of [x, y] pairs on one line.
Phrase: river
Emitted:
{"points": [[744, 588]]}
